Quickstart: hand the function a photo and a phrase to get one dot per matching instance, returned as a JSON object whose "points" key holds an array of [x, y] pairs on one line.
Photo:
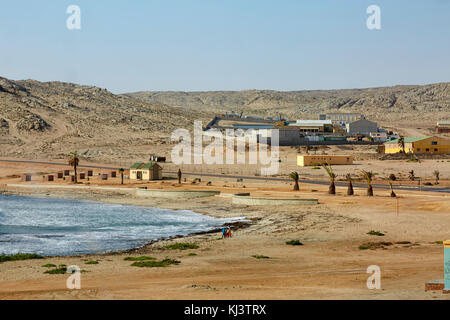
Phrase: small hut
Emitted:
{"points": [[146, 171]]}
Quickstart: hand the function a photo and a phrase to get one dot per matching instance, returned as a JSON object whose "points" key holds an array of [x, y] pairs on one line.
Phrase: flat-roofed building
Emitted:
{"points": [[342, 117], [443, 126], [317, 160], [313, 125], [362, 126]]}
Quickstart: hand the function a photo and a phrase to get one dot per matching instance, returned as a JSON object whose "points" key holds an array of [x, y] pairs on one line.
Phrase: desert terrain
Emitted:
{"points": [[44, 121], [329, 265]]}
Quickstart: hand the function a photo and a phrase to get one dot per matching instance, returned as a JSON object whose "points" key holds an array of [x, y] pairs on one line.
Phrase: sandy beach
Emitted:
{"points": [[329, 265]]}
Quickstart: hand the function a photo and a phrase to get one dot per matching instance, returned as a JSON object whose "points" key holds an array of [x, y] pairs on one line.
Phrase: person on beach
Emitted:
{"points": [[229, 232], [224, 232]]}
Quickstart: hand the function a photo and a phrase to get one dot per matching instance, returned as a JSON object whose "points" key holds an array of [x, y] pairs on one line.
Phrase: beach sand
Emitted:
{"points": [[330, 264]]}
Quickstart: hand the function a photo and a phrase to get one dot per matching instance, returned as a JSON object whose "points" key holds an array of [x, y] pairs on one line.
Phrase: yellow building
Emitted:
{"points": [[418, 145], [145, 171], [317, 160]]}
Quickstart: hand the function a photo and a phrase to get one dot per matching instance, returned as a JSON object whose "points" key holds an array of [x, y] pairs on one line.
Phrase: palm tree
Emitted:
{"points": [[329, 170], [121, 171], [392, 178], [368, 176], [350, 191], [436, 174], [295, 176], [73, 161], [179, 174], [401, 142]]}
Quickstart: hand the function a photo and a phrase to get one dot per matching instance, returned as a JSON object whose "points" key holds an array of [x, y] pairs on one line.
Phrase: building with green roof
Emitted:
{"points": [[418, 145], [145, 171]]}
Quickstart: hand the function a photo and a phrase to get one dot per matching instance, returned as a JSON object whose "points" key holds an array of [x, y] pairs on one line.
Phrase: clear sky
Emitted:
{"points": [[193, 45]]}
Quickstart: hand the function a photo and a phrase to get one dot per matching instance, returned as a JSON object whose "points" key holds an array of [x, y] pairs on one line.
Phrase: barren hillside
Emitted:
{"points": [[47, 120], [404, 103]]}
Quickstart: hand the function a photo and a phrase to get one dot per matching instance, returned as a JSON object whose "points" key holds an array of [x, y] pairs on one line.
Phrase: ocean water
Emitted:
{"points": [[51, 226]]}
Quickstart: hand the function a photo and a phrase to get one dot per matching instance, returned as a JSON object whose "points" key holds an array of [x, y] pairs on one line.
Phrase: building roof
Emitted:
{"points": [[410, 139], [300, 123], [443, 123], [142, 165], [137, 165], [148, 165]]}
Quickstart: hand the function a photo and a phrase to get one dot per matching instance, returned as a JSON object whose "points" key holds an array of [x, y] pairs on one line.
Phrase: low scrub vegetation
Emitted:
{"points": [[182, 246], [294, 243], [142, 258], [19, 257], [91, 262], [375, 233], [49, 265], [61, 269], [258, 256], [155, 264]]}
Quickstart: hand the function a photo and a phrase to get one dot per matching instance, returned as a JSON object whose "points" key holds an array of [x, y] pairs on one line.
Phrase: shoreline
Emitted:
{"points": [[243, 222]]}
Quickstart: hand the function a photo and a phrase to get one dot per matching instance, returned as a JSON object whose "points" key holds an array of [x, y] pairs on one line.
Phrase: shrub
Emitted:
{"points": [[257, 256], [155, 264], [192, 254], [294, 243], [375, 233], [19, 257], [362, 247], [61, 269], [182, 246], [315, 168], [91, 262], [49, 265], [142, 258]]}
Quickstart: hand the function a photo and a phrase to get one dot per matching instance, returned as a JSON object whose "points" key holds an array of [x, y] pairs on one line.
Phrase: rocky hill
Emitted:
{"points": [[50, 119], [387, 103], [47, 120]]}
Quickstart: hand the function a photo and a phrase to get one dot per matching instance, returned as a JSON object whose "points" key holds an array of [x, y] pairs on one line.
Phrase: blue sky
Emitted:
{"points": [[193, 45]]}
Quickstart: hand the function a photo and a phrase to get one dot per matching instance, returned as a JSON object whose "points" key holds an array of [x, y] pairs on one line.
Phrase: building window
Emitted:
{"points": [[434, 143], [435, 149], [418, 149], [427, 150]]}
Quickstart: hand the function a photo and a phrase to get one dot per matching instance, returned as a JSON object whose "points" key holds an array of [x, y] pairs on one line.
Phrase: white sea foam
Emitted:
{"points": [[67, 226]]}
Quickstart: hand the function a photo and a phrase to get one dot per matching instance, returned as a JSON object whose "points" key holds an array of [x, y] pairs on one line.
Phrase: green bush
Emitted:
{"points": [[142, 258], [155, 264], [62, 269], [19, 257], [375, 233], [181, 246], [91, 262], [49, 265], [362, 247]]}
